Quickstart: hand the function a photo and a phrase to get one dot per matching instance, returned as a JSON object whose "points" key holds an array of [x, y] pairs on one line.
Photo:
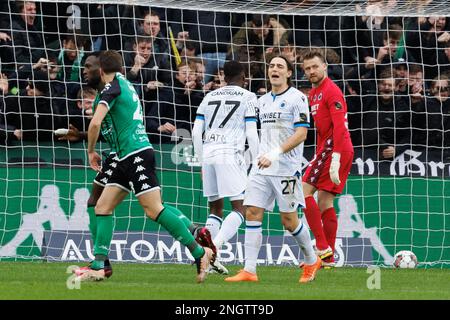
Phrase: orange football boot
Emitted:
{"points": [[243, 276], [310, 270]]}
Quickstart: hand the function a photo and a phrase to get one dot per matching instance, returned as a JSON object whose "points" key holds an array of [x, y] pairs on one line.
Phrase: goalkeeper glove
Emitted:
{"points": [[334, 167]]}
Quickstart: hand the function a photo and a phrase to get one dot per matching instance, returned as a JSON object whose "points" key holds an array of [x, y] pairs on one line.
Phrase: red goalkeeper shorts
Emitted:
{"points": [[318, 172]]}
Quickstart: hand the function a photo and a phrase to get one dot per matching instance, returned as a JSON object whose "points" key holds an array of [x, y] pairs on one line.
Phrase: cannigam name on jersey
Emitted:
{"points": [[123, 126], [329, 111], [225, 112], [280, 115]]}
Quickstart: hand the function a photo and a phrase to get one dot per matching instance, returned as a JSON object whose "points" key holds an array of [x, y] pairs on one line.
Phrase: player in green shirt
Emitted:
{"points": [[119, 117]]}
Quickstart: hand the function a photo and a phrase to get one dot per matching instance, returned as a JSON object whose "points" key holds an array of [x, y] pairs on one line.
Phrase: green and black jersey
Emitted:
{"points": [[94, 106], [123, 126]]}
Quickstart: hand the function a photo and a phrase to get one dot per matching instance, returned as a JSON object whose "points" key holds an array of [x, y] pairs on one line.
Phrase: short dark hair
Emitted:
{"points": [[143, 38], [190, 45], [151, 13], [94, 54], [394, 32], [187, 62], [386, 74], [441, 77], [260, 19], [315, 53], [78, 39], [232, 69], [154, 13], [415, 68], [20, 4], [111, 61], [86, 91]]}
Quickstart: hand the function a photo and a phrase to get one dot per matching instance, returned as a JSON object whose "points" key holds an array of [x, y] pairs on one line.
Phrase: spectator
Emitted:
{"points": [[384, 59], [6, 51], [429, 127], [31, 114], [256, 39], [211, 31], [217, 82], [145, 70], [70, 59], [444, 59], [81, 112], [386, 54], [57, 87], [371, 29], [423, 39], [52, 68], [151, 26], [251, 41], [199, 73], [27, 37], [415, 99], [189, 49], [385, 119], [401, 79], [176, 107], [4, 92], [187, 89]]}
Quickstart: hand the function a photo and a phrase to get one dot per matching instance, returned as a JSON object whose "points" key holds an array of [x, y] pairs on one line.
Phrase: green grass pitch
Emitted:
{"points": [[38, 280]]}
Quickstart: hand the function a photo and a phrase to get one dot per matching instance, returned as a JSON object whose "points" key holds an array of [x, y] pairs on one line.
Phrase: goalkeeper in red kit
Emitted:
{"points": [[329, 169]]}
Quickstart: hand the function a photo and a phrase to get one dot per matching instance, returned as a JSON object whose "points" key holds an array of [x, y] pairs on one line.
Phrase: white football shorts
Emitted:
{"points": [[224, 176], [262, 190]]}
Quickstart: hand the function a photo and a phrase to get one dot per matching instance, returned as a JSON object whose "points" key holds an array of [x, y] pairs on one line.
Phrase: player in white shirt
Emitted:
{"points": [[226, 118], [284, 117]]}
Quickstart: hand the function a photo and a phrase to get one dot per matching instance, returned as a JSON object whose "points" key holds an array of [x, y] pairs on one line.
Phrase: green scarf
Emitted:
{"points": [[75, 71]]}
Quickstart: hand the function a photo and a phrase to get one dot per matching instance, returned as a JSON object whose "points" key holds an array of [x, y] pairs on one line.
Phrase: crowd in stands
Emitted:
{"points": [[394, 71]]}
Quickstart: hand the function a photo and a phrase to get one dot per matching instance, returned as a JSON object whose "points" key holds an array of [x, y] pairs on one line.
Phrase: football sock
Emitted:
{"points": [[188, 223], [99, 262], [229, 228], [330, 225], [177, 229], [105, 226], [313, 216], [253, 241], [301, 235], [92, 222], [213, 224]]}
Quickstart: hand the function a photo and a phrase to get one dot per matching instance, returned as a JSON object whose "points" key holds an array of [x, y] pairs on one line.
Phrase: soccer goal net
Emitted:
{"points": [[390, 58]]}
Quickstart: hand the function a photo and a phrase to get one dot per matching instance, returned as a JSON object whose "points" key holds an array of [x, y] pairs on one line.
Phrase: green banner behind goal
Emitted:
{"points": [[53, 197]]}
